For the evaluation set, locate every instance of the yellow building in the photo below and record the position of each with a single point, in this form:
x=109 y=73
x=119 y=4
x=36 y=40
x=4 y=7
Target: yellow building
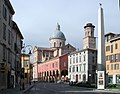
x=25 y=63
x=112 y=44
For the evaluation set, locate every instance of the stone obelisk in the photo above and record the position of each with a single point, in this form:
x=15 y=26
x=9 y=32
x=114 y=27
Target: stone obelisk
x=101 y=65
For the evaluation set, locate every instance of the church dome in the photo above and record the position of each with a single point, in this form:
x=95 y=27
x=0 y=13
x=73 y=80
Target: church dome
x=57 y=34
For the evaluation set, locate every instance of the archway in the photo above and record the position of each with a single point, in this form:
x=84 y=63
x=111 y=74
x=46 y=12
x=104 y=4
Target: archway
x=64 y=72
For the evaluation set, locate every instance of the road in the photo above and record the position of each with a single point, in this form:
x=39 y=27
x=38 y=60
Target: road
x=52 y=88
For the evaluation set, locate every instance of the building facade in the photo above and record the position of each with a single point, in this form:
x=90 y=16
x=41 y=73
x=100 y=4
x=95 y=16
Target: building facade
x=10 y=46
x=112 y=45
x=53 y=69
x=51 y=63
x=25 y=65
x=82 y=63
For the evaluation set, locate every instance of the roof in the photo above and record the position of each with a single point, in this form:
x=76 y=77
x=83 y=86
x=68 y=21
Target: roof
x=57 y=34
x=89 y=25
x=17 y=29
x=44 y=48
x=115 y=38
x=82 y=50
x=7 y=2
x=109 y=33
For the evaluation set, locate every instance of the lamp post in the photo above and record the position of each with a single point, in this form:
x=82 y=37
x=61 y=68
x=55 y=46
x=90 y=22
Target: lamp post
x=26 y=52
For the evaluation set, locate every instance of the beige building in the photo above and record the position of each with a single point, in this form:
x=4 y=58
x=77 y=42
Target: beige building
x=25 y=64
x=112 y=44
x=10 y=46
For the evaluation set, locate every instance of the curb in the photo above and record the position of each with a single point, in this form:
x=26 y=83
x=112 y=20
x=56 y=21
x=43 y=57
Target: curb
x=27 y=89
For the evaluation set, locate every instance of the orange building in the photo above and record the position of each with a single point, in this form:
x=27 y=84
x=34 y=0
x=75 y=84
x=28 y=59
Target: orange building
x=112 y=44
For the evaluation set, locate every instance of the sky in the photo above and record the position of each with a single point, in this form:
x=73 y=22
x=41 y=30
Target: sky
x=37 y=19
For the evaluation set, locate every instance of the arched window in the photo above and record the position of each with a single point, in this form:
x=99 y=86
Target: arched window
x=60 y=44
x=54 y=44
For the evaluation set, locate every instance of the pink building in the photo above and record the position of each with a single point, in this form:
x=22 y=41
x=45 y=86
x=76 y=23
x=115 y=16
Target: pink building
x=53 y=69
x=51 y=64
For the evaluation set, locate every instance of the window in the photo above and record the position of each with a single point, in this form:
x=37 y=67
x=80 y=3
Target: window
x=70 y=60
x=70 y=76
x=9 y=37
x=84 y=67
x=116 y=46
x=80 y=67
x=52 y=65
x=79 y=58
x=12 y=38
x=64 y=64
x=4 y=12
x=112 y=58
x=107 y=67
x=84 y=77
x=76 y=59
x=4 y=53
x=73 y=69
x=73 y=59
x=93 y=60
x=56 y=64
x=107 y=48
x=70 y=69
x=60 y=44
x=79 y=76
x=54 y=44
x=84 y=57
x=9 y=20
x=116 y=57
x=68 y=46
x=107 y=58
x=111 y=66
x=4 y=31
x=9 y=56
x=77 y=68
x=111 y=48
x=73 y=76
x=116 y=66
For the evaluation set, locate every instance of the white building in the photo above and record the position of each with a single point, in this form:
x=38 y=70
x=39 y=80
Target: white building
x=82 y=63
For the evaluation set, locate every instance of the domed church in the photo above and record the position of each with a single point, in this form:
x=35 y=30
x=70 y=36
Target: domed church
x=57 y=39
x=51 y=64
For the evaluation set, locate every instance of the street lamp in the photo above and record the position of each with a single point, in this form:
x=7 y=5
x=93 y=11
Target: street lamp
x=26 y=52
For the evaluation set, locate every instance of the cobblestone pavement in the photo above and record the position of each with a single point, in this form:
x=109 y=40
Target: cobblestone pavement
x=16 y=90
x=52 y=88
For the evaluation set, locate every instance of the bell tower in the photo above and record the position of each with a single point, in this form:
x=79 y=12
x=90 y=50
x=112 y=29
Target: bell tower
x=89 y=41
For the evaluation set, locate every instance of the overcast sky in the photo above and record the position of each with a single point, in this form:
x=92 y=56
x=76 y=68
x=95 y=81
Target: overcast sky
x=37 y=19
